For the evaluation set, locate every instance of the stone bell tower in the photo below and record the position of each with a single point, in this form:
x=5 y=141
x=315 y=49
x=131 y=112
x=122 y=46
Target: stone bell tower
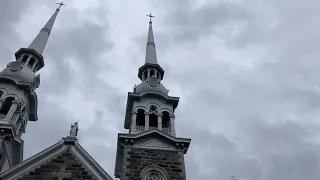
x=18 y=100
x=151 y=150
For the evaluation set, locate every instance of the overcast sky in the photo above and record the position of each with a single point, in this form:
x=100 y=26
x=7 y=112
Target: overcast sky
x=247 y=73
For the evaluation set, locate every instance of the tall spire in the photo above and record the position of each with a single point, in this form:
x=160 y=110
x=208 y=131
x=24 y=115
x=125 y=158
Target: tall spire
x=39 y=43
x=151 y=63
x=151 y=55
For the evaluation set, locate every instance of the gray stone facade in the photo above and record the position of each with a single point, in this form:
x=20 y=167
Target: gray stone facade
x=136 y=159
x=65 y=162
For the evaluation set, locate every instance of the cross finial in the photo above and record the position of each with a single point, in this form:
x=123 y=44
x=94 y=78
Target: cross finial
x=60 y=4
x=150 y=16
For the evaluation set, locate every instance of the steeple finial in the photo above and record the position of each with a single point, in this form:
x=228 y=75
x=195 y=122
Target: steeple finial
x=149 y=15
x=60 y=4
x=151 y=56
x=39 y=43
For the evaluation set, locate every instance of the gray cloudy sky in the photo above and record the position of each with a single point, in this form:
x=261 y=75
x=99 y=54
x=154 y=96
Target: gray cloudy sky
x=247 y=73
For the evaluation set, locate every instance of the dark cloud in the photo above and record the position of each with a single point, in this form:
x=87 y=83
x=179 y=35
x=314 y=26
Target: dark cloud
x=84 y=42
x=10 y=14
x=268 y=107
x=246 y=72
x=74 y=58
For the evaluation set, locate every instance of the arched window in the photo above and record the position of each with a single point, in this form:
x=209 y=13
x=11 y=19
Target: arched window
x=6 y=105
x=31 y=62
x=24 y=58
x=140 y=118
x=165 y=119
x=153 y=121
x=153 y=118
x=1 y=93
x=154 y=172
x=36 y=68
x=151 y=73
x=154 y=175
x=145 y=74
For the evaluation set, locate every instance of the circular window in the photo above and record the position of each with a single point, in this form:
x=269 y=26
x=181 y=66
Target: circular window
x=154 y=176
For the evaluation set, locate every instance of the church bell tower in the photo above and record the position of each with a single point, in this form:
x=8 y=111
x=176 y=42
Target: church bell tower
x=150 y=150
x=18 y=100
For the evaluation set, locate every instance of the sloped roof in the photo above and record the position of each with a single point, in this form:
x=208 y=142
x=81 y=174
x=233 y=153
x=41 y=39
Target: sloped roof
x=67 y=153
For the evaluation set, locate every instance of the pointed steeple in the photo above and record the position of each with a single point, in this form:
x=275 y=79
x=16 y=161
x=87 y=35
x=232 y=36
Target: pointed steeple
x=39 y=43
x=151 y=63
x=151 y=55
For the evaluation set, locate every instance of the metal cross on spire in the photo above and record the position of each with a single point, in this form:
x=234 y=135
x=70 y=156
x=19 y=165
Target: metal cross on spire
x=60 y=4
x=150 y=16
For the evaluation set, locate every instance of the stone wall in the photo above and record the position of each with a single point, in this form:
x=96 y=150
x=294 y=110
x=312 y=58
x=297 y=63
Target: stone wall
x=135 y=160
x=66 y=161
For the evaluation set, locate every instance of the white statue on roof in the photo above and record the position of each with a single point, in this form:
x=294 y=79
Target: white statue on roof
x=74 y=129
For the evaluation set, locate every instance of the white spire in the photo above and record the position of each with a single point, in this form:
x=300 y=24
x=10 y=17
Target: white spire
x=151 y=55
x=39 y=43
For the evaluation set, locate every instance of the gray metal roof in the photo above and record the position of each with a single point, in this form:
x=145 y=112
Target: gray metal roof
x=39 y=43
x=151 y=55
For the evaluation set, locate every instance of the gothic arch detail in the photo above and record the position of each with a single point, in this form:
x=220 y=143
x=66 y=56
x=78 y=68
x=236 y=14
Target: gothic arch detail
x=154 y=172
